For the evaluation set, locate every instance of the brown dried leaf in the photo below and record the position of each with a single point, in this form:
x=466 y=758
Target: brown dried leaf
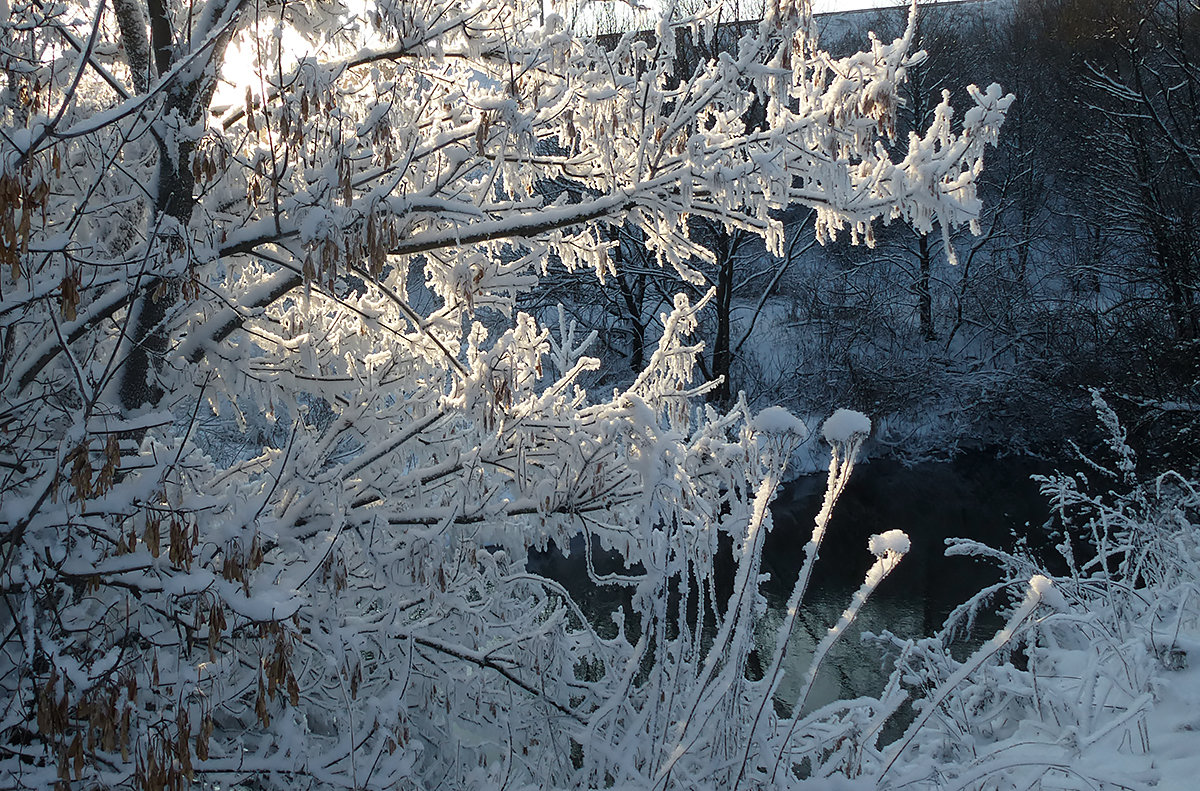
x=68 y=297
x=152 y=535
x=81 y=471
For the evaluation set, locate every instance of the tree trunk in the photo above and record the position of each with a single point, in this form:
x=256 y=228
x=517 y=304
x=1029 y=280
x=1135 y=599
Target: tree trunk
x=924 y=295
x=186 y=103
x=633 y=288
x=722 y=357
x=633 y=294
x=131 y=21
x=160 y=36
x=1173 y=249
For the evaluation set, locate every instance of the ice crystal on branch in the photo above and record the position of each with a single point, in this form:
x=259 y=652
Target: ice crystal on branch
x=278 y=439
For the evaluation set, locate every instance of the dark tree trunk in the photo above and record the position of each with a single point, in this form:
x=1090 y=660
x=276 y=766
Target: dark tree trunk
x=1023 y=245
x=924 y=295
x=633 y=294
x=633 y=289
x=172 y=212
x=160 y=36
x=722 y=357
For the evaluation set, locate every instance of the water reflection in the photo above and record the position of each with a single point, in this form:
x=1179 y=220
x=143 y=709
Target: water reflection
x=975 y=496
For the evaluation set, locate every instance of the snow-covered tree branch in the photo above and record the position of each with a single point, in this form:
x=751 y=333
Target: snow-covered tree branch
x=277 y=442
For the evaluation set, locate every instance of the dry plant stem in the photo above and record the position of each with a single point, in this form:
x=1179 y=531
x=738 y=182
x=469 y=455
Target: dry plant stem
x=878 y=571
x=734 y=630
x=1032 y=597
x=841 y=464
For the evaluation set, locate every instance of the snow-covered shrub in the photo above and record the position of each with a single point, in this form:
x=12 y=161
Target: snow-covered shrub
x=325 y=244
x=1082 y=695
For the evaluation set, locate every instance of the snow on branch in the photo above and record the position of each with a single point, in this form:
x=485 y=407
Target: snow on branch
x=286 y=429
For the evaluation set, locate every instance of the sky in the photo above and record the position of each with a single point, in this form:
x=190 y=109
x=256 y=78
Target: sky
x=821 y=6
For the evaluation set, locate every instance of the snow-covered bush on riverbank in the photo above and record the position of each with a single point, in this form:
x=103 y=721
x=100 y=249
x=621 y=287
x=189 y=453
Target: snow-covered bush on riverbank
x=1101 y=688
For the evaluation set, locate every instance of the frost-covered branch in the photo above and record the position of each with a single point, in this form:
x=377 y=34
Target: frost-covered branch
x=282 y=432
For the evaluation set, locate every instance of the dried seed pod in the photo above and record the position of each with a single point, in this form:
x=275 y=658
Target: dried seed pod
x=250 y=122
x=152 y=535
x=81 y=471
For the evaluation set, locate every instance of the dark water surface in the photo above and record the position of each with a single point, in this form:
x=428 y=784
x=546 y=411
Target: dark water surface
x=976 y=496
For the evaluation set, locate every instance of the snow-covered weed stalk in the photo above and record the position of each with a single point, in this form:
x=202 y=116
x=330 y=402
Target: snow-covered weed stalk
x=277 y=441
x=1068 y=709
x=845 y=432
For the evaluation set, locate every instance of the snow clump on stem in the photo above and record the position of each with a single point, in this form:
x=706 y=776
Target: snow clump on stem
x=845 y=424
x=896 y=541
